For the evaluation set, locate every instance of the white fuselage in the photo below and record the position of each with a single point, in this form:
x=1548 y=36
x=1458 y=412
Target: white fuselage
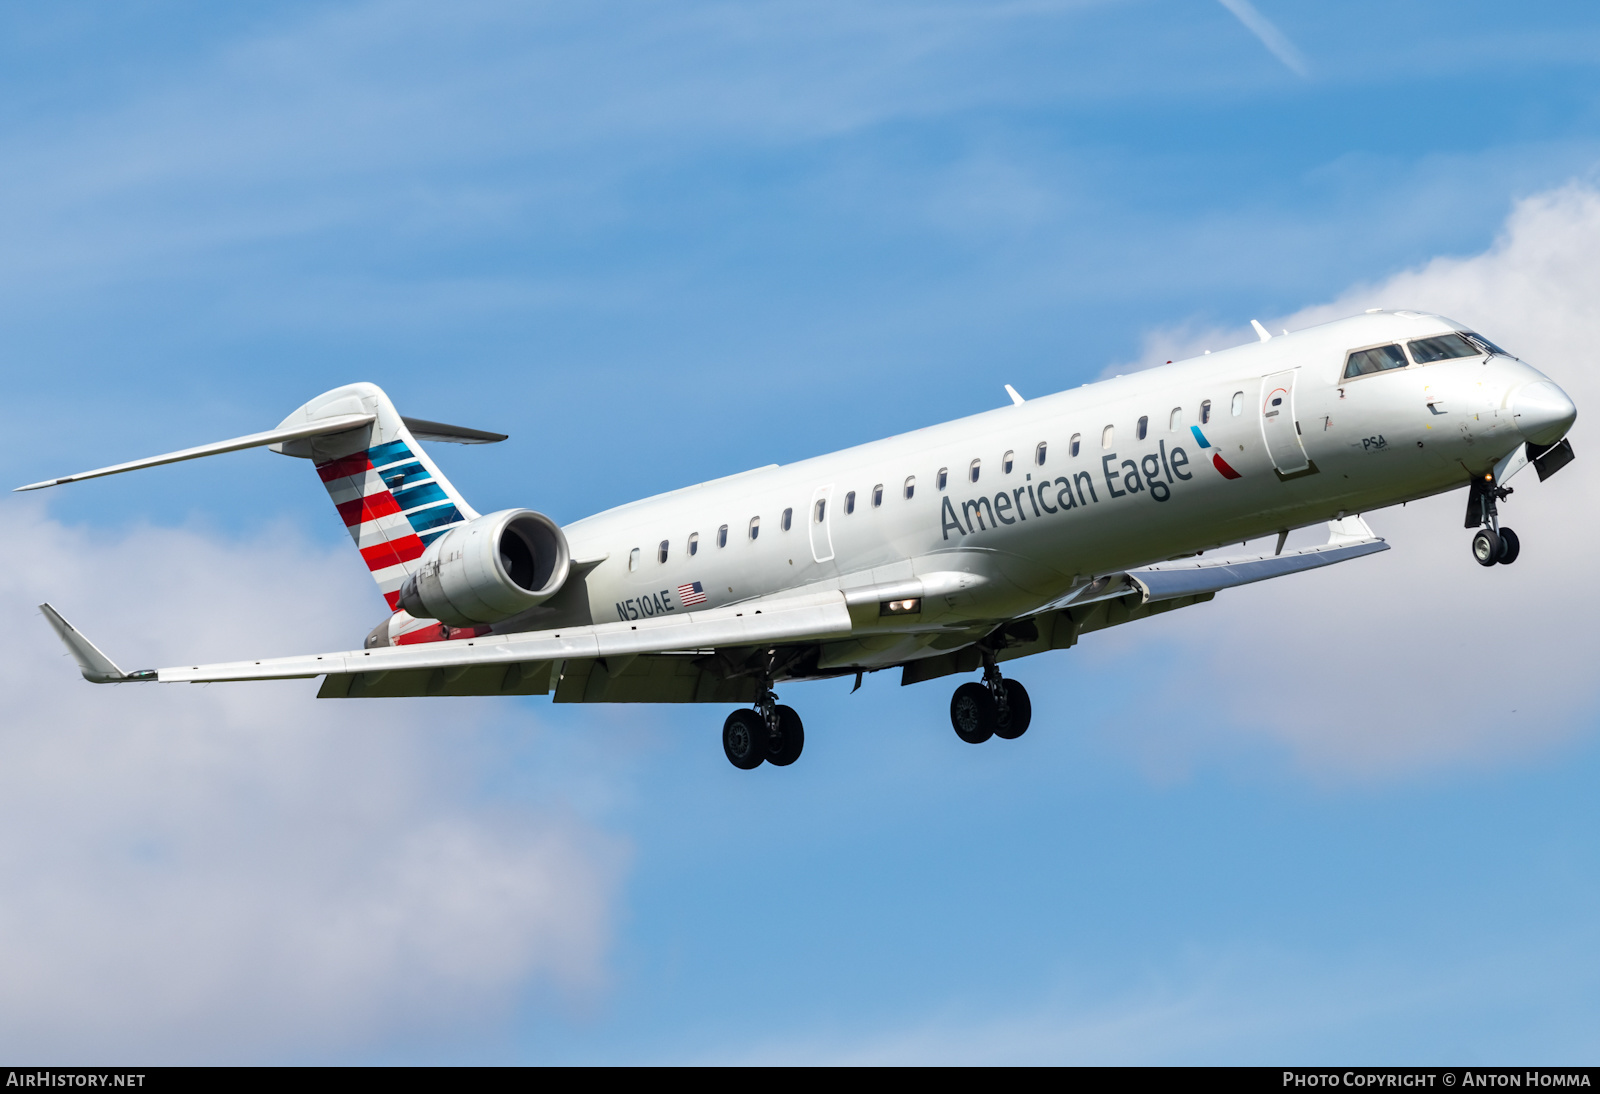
x=1054 y=518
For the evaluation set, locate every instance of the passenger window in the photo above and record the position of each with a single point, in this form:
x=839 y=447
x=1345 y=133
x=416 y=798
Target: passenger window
x=633 y=560
x=788 y=519
x=722 y=536
x=850 y=503
x=911 y=486
x=944 y=477
x=755 y=527
x=1447 y=347
x=1038 y=455
x=822 y=509
x=1205 y=412
x=972 y=472
x=1365 y=362
x=1075 y=445
x=1105 y=438
x=661 y=552
x=1144 y=428
x=1177 y=420
x=877 y=495
x=694 y=544
x=1238 y=403
x=1007 y=462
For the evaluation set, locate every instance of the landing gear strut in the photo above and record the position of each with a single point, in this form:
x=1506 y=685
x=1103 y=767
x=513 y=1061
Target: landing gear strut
x=1492 y=544
x=995 y=708
x=770 y=733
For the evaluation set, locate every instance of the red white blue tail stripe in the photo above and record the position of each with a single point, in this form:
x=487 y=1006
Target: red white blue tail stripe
x=395 y=503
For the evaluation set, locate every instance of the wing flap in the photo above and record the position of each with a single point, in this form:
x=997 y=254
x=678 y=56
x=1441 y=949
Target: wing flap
x=814 y=617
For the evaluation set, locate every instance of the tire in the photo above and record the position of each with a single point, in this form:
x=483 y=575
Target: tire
x=744 y=739
x=791 y=739
x=1487 y=547
x=1019 y=712
x=1510 y=546
x=972 y=713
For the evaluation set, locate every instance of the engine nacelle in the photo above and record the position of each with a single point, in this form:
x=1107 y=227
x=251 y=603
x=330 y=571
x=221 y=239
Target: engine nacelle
x=488 y=569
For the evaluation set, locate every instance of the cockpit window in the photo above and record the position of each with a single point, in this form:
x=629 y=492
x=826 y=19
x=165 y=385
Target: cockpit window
x=1484 y=344
x=1364 y=362
x=1446 y=347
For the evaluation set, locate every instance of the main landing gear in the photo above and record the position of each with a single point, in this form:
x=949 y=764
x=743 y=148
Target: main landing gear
x=768 y=734
x=995 y=708
x=1492 y=544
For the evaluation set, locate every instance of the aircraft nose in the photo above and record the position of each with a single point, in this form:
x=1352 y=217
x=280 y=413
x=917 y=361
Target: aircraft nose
x=1543 y=412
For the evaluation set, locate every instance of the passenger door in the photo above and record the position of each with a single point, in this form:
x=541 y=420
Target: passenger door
x=1279 y=429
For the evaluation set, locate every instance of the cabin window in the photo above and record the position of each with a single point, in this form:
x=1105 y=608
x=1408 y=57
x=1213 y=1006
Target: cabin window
x=1105 y=437
x=821 y=511
x=633 y=560
x=1238 y=403
x=877 y=495
x=911 y=486
x=1075 y=445
x=1365 y=362
x=788 y=518
x=1447 y=347
x=1205 y=412
x=694 y=544
x=722 y=536
x=1144 y=427
x=1007 y=462
x=755 y=527
x=1038 y=455
x=1176 y=422
x=850 y=503
x=661 y=552
x=944 y=477
x=972 y=471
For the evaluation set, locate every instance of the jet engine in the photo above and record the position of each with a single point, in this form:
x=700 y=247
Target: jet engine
x=488 y=569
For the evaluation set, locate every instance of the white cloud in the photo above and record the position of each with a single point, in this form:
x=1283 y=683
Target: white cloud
x=1419 y=657
x=244 y=872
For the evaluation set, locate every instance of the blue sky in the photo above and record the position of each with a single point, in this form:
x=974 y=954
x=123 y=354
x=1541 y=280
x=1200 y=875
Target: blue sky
x=659 y=244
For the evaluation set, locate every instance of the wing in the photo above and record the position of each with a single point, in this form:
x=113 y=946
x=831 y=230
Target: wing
x=782 y=619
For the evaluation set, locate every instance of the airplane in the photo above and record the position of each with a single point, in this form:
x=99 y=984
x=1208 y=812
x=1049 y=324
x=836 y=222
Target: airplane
x=940 y=552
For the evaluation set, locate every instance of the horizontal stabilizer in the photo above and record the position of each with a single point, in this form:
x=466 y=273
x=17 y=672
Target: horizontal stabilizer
x=341 y=423
x=96 y=667
x=424 y=430
x=811 y=617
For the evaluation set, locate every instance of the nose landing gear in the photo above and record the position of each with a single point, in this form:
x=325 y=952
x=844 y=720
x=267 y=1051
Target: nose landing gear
x=1492 y=544
x=995 y=708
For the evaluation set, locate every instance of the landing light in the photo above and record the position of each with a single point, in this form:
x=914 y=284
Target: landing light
x=900 y=607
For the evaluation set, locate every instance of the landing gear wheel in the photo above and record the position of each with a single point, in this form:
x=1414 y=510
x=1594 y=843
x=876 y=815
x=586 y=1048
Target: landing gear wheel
x=1510 y=546
x=744 y=739
x=785 y=749
x=1019 y=712
x=973 y=713
x=1487 y=547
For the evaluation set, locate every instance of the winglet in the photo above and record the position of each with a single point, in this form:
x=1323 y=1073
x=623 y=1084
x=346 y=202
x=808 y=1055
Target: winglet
x=1016 y=400
x=1261 y=332
x=96 y=667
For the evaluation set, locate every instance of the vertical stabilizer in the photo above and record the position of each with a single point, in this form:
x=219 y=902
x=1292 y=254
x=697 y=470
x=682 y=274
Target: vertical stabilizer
x=389 y=494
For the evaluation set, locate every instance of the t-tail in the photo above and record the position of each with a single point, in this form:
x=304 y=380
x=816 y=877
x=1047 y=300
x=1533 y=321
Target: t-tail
x=389 y=493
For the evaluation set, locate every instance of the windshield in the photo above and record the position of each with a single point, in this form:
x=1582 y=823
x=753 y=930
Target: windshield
x=1446 y=347
x=1364 y=362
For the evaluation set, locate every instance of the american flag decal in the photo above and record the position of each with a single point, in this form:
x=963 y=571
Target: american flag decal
x=692 y=594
